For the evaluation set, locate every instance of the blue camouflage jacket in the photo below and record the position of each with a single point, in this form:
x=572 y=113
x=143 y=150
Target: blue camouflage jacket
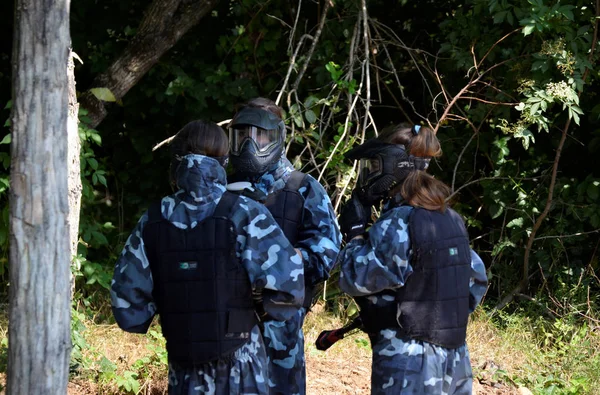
x=265 y=253
x=319 y=236
x=382 y=261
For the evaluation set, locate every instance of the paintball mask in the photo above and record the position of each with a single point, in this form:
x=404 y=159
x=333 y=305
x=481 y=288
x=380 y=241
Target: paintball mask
x=256 y=139
x=382 y=166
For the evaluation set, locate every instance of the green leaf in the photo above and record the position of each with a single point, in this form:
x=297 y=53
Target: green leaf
x=499 y=17
x=8 y=105
x=577 y=110
x=101 y=239
x=103 y=94
x=574 y=115
x=528 y=29
x=501 y=246
x=93 y=163
x=509 y=17
x=593 y=191
x=6 y=140
x=517 y=222
x=495 y=210
x=102 y=179
x=298 y=120
x=310 y=101
x=310 y=116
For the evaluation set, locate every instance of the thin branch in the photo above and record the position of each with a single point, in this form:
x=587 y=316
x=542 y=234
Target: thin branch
x=495 y=103
x=338 y=200
x=367 y=62
x=565 y=236
x=400 y=87
x=293 y=32
x=314 y=44
x=410 y=53
x=344 y=132
x=475 y=133
x=498 y=90
x=353 y=44
x=496 y=43
x=168 y=140
x=291 y=66
x=484 y=179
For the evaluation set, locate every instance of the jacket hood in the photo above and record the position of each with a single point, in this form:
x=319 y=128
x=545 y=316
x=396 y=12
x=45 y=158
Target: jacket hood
x=201 y=181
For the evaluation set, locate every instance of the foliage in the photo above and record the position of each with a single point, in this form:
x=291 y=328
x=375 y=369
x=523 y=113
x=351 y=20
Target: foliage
x=556 y=356
x=499 y=79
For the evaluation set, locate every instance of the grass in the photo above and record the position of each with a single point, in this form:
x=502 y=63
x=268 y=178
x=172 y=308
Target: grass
x=516 y=350
x=559 y=357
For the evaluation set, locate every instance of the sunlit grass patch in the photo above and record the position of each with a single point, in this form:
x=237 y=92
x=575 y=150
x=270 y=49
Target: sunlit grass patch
x=560 y=356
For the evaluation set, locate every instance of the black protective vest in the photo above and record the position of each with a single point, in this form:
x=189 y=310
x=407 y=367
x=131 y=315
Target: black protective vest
x=287 y=206
x=202 y=292
x=434 y=302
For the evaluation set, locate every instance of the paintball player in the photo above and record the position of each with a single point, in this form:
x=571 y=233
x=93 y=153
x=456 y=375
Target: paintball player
x=200 y=258
x=413 y=273
x=303 y=210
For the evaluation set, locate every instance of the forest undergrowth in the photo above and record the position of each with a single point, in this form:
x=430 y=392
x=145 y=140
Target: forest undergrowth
x=511 y=353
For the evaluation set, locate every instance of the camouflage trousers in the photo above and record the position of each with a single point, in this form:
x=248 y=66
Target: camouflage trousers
x=244 y=372
x=285 y=353
x=406 y=366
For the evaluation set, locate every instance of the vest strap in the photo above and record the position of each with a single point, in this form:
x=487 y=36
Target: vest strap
x=225 y=206
x=155 y=212
x=295 y=181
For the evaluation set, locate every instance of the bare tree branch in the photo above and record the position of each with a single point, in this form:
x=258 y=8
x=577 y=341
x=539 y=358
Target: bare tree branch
x=314 y=45
x=164 y=23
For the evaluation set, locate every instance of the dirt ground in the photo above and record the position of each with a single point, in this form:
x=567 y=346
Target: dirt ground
x=352 y=377
x=324 y=377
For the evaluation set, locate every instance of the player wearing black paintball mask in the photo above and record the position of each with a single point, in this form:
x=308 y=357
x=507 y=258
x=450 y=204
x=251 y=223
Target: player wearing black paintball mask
x=256 y=139
x=303 y=211
x=382 y=166
x=413 y=274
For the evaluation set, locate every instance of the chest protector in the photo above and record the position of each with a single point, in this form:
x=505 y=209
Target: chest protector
x=434 y=303
x=287 y=207
x=202 y=292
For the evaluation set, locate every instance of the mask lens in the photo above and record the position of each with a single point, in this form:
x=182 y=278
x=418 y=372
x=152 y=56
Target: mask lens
x=266 y=138
x=238 y=135
x=370 y=168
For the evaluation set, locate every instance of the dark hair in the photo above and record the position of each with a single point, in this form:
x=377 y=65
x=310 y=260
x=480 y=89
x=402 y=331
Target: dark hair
x=419 y=189
x=197 y=137
x=265 y=104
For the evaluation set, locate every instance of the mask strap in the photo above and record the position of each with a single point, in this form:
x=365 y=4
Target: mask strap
x=420 y=163
x=223 y=160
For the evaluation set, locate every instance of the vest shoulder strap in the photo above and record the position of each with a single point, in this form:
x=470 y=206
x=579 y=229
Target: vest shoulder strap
x=295 y=181
x=155 y=212
x=226 y=204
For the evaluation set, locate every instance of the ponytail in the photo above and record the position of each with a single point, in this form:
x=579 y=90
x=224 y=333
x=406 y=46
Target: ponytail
x=425 y=144
x=420 y=189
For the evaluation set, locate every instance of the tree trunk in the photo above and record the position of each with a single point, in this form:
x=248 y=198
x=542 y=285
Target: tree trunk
x=164 y=23
x=74 y=180
x=39 y=311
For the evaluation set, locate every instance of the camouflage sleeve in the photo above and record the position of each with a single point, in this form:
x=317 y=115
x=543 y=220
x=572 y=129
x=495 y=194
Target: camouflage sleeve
x=272 y=264
x=478 y=282
x=319 y=236
x=380 y=261
x=131 y=287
